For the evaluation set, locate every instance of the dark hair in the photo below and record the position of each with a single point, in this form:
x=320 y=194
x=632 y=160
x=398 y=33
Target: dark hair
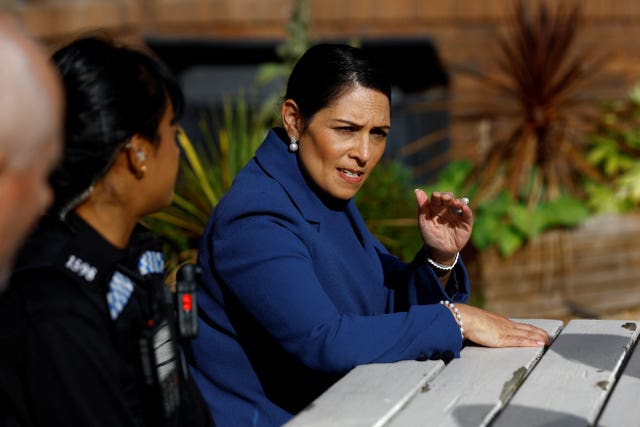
x=325 y=71
x=113 y=92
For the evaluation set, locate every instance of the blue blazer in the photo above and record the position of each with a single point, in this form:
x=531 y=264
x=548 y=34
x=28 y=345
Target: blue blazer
x=296 y=292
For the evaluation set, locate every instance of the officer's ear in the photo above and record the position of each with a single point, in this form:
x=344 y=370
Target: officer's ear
x=136 y=152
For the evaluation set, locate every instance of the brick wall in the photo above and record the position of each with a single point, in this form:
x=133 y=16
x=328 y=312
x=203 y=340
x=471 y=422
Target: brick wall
x=463 y=30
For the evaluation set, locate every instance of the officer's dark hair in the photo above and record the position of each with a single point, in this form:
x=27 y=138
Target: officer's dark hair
x=113 y=92
x=327 y=70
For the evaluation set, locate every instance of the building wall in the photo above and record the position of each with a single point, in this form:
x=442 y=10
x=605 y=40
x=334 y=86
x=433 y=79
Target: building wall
x=463 y=31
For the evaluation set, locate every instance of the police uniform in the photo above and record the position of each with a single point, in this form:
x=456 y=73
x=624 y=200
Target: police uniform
x=86 y=336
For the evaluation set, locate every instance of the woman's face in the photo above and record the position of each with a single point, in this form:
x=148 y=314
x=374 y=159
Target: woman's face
x=163 y=166
x=345 y=140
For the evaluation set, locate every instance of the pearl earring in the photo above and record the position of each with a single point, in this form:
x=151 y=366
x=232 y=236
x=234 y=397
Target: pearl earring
x=293 y=145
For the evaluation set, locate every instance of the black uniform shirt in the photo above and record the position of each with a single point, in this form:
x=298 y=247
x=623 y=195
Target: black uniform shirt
x=70 y=325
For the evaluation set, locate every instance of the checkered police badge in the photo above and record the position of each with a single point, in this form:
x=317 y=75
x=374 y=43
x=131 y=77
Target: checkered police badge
x=151 y=262
x=120 y=290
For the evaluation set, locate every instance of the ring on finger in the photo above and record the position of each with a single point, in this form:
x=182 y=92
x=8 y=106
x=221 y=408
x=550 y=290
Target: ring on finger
x=464 y=200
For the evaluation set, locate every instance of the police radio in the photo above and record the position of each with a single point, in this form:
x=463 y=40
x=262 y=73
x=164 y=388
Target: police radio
x=187 y=278
x=161 y=358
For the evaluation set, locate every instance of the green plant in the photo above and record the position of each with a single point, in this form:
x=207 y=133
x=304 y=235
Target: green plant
x=388 y=206
x=288 y=52
x=506 y=222
x=207 y=170
x=538 y=105
x=533 y=172
x=210 y=164
x=614 y=148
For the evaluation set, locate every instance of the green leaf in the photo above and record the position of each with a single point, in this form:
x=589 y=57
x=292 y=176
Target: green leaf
x=499 y=206
x=526 y=221
x=269 y=72
x=196 y=166
x=509 y=241
x=486 y=230
x=564 y=211
x=601 y=199
x=455 y=174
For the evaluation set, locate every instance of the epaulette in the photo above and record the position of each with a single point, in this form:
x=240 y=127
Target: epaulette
x=77 y=253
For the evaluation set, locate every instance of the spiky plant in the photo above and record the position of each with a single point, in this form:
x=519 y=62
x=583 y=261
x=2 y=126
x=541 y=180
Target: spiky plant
x=209 y=166
x=538 y=107
x=206 y=173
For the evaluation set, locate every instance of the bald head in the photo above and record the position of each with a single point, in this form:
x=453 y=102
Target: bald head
x=30 y=95
x=31 y=120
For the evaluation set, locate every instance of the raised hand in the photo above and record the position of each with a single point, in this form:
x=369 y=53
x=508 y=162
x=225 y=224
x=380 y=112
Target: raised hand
x=445 y=224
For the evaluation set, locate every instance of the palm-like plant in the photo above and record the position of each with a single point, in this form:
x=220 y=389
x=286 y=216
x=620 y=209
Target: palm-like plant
x=538 y=107
x=206 y=173
x=208 y=167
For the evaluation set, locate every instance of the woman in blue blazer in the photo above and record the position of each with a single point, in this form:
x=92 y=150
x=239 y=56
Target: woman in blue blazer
x=296 y=290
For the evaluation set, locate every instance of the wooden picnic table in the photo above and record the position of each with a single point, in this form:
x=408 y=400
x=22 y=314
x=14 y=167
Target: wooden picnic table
x=590 y=375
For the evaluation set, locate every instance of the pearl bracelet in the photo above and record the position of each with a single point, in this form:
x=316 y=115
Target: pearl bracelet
x=442 y=266
x=456 y=315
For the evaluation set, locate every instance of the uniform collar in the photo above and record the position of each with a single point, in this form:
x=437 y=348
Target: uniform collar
x=278 y=162
x=54 y=241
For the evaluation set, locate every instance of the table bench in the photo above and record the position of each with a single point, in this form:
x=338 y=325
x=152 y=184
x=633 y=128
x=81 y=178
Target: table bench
x=590 y=375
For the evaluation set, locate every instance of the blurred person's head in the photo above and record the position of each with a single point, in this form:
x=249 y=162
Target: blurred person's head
x=31 y=109
x=121 y=123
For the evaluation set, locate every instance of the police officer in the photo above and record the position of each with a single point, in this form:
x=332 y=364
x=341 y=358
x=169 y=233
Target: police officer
x=86 y=326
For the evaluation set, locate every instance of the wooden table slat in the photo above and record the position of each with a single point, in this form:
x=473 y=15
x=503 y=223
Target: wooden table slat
x=571 y=382
x=368 y=395
x=471 y=389
x=624 y=395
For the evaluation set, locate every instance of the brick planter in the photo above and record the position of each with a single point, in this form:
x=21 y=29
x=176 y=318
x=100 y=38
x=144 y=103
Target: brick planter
x=588 y=271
